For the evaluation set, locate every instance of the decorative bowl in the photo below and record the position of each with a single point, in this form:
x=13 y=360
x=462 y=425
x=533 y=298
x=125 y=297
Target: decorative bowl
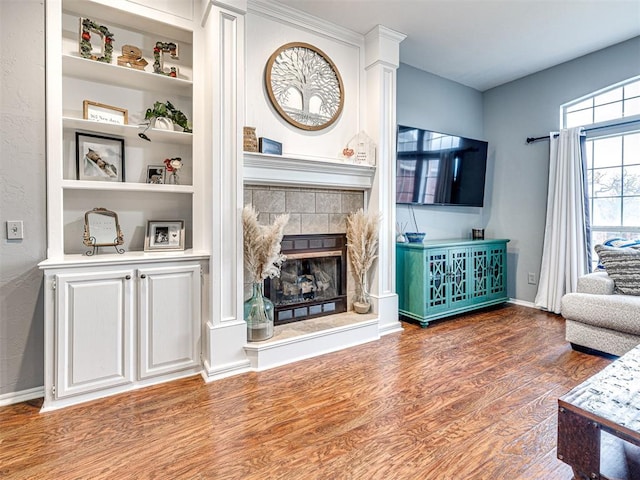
x=415 y=237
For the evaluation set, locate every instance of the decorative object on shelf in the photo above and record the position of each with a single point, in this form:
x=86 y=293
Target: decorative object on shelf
x=163 y=123
x=164 y=235
x=262 y=259
x=400 y=236
x=362 y=243
x=132 y=57
x=271 y=147
x=477 y=233
x=87 y=27
x=99 y=158
x=155 y=174
x=168 y=111
x=414 y=237
x=99 y=112
x=249 y=139
x=173 y=167
x=304 y=86
x=102 y=229
x=361 y=149
x=158 y=58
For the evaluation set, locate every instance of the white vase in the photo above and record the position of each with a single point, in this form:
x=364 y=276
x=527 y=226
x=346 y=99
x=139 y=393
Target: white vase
x=162 y=123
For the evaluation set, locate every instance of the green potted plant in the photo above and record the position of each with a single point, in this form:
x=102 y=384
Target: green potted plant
x=167 y=110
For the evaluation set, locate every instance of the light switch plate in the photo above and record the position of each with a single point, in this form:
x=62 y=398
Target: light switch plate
x=14 y=230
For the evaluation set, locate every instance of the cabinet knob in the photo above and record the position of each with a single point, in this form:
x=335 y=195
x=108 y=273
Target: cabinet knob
x=128 y=277
x=143 y=276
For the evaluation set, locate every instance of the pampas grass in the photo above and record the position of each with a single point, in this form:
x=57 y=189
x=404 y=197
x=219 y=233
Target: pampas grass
x=362 y=241
x=262 y=257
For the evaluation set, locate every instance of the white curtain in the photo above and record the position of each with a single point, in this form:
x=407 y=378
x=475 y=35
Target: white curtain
x=565 y=254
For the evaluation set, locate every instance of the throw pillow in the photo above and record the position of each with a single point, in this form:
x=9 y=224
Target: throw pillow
x=620 y=243
x=623 y=266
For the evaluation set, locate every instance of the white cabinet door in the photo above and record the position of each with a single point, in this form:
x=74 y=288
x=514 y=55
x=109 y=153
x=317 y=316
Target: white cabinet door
x=93 y=331
x=169 y=303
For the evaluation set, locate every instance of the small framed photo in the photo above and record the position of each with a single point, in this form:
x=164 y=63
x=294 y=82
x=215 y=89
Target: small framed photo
x=155 y=174
x=99 y=112
x=99 y=158
x=164 y=235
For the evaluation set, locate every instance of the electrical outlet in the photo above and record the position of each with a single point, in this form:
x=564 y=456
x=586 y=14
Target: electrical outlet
x=532 y=278
x=14 y=230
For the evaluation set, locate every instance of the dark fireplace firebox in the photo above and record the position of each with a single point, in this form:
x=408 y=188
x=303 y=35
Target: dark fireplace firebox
x=313 y=279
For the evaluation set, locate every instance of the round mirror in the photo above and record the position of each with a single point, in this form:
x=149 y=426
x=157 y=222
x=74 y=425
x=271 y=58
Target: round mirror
x=304 y=86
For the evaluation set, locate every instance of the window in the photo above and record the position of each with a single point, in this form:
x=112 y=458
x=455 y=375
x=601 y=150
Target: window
x=611 y=118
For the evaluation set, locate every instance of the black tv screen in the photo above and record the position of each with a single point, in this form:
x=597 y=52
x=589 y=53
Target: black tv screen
x=434 y=168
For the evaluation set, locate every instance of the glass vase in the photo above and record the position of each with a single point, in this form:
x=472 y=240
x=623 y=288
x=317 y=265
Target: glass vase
x=258 y=313
x=173 y=178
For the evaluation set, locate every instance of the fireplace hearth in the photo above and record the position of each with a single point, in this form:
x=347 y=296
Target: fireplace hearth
x=313 y=279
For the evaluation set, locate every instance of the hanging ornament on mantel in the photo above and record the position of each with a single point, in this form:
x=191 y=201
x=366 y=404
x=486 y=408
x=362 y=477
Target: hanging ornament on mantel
x=360 y=150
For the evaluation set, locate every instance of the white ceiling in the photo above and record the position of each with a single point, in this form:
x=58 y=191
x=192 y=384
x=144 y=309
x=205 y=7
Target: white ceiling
x=486 y=43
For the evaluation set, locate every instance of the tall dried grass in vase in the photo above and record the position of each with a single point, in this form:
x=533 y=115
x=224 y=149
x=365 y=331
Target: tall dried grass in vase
x=262 y=259
x=362 y=242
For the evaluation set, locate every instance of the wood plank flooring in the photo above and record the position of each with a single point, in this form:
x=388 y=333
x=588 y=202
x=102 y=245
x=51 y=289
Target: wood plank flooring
x=472 y=397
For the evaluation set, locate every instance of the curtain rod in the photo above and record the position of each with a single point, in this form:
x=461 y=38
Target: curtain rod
x=555 y=135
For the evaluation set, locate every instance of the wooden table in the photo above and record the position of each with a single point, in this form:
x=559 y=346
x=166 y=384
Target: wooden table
x=608 y=401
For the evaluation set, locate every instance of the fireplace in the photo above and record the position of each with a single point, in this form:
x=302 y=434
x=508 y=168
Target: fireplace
x=313 y=279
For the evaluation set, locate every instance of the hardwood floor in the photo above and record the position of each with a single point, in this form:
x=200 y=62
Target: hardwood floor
x=473 y=397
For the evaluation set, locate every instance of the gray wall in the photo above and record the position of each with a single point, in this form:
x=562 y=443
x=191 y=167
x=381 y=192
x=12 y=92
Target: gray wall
x=22 y=193
x=505 y=116
x=427 y=101
x=515 y=205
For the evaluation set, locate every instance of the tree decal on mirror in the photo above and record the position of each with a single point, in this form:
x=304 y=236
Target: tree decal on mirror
x=304 y=86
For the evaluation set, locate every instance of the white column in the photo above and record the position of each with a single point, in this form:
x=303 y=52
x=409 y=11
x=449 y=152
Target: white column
x=224 y=334
x=382 y=58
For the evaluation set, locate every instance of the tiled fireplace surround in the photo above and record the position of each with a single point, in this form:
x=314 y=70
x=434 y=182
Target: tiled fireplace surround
x=311 y=210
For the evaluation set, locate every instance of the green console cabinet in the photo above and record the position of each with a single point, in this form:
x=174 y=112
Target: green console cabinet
x=439 y=278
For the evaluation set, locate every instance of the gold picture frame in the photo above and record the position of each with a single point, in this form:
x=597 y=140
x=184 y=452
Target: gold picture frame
x=100 y=112
x=102 y=229
x=304 y=86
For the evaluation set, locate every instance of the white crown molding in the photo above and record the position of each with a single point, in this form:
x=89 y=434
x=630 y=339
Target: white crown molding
x=304 y=20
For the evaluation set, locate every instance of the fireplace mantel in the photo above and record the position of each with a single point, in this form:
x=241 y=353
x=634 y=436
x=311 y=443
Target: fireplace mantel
x=298 y=171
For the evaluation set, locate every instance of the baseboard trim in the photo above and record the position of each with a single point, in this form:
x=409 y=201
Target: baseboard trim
x=22 y=396
x=523 y=303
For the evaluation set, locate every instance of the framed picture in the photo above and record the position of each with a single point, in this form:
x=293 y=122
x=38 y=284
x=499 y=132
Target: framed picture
x=155 y=174
x=99 y=112
x=164 y=235
x=99 y=158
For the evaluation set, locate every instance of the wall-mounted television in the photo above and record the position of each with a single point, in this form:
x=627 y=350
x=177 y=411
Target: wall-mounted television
x=435 y=168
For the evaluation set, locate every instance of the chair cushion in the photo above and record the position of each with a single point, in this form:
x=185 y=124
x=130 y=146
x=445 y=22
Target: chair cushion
x=614 y=312
x=623 y=266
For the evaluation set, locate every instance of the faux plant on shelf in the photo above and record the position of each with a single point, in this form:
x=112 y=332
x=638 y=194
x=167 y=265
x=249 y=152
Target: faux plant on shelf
x=362 y=242
x=262 y=259
x=167 y=110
